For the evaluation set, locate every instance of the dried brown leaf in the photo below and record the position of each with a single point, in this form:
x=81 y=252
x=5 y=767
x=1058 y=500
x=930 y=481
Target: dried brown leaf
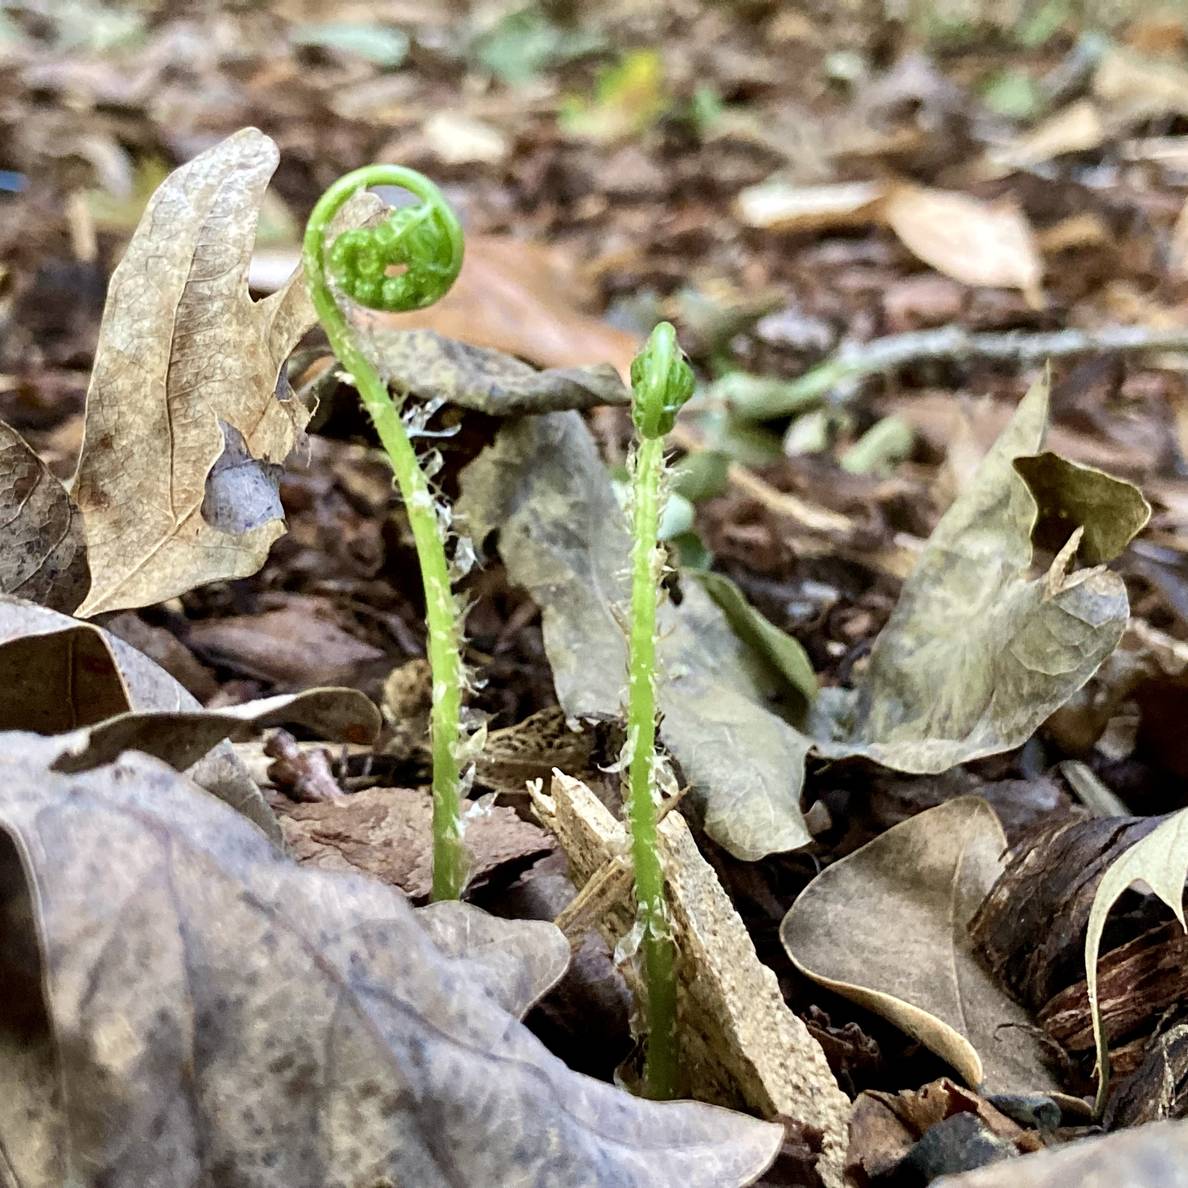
x=975 y=242
x=1160 y=861
x=388 y=833
x=517 y=297
x=182 y=738
x=211 y=1008
x=423 y=363
x=887 y=926
x=1112 y=512
x=740 y=1043
x=778 y=205
x=564 y=538
x=185 y=375
x=42 y=551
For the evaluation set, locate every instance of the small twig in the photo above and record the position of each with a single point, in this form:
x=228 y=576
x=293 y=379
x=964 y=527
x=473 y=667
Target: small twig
x=856 y=360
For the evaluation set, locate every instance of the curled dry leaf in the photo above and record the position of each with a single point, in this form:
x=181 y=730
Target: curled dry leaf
x=563 y=537
x=423 y=363
x=1111 y=512
x=977 y=654
x=58 y=675
x=1154 y=1156
x=975 y=242
x=887 y=927
x=1159 y=860
x=740 y=1043
x=202 y=1003
x=186 y=371
x=182 y=738
x=42 y=551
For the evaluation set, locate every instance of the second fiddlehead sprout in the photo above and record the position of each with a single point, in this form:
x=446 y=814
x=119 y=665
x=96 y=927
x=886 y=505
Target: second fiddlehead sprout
x=662 y=381
x=406 y=262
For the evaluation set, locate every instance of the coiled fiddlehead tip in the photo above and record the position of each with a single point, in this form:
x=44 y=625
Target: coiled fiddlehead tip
x=662 y=381
x=407 y=261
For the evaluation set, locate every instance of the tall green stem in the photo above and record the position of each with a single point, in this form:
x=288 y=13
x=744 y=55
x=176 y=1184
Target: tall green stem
x=663 y=382
x=427 y=242
x=660 y=1066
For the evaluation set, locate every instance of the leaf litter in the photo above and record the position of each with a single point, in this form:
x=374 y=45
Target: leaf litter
x=1029 y=161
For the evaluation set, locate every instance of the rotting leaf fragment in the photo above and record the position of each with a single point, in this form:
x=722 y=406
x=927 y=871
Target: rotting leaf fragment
x=42 y=551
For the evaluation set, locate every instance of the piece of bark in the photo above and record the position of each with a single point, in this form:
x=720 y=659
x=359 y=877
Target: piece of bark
x=1030 y=929
x=301 y=773
x=387 y=832
x=740 y=1044
x=1158 y=1087
x=886 y=1127
x=1136 y=984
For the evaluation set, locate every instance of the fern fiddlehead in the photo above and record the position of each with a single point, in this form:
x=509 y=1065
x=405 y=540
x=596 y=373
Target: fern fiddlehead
x=406 y=262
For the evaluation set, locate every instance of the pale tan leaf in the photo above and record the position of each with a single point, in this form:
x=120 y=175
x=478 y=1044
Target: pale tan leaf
x=563 y=537
x=977 y=653
x=1159 y=860
x=518 y=297
x=1153 y=1156
x=42 y=552
x=975 y=242
x=777 y=205
x=186 y=367
x=887 y=927
x=212 y=1005
x=740 y=1043
x=1076 y=128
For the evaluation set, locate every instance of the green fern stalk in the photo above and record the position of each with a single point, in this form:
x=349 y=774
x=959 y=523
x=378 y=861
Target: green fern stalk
x=426 y=242
x=662 y=382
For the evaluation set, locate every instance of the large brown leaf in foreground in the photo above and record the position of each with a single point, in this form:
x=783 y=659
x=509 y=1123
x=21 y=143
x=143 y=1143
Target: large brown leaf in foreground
x=216 y=1015
x=184 y=385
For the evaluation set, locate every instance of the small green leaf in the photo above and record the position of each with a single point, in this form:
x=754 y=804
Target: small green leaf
x=525 y=44
x=776 y=648
x=370 y=41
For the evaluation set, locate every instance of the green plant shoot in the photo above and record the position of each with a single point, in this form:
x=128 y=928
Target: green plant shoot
x=406 y=262
x=662 y=381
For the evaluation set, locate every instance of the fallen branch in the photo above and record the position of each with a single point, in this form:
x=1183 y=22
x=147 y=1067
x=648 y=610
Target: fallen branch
x=854 y=361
